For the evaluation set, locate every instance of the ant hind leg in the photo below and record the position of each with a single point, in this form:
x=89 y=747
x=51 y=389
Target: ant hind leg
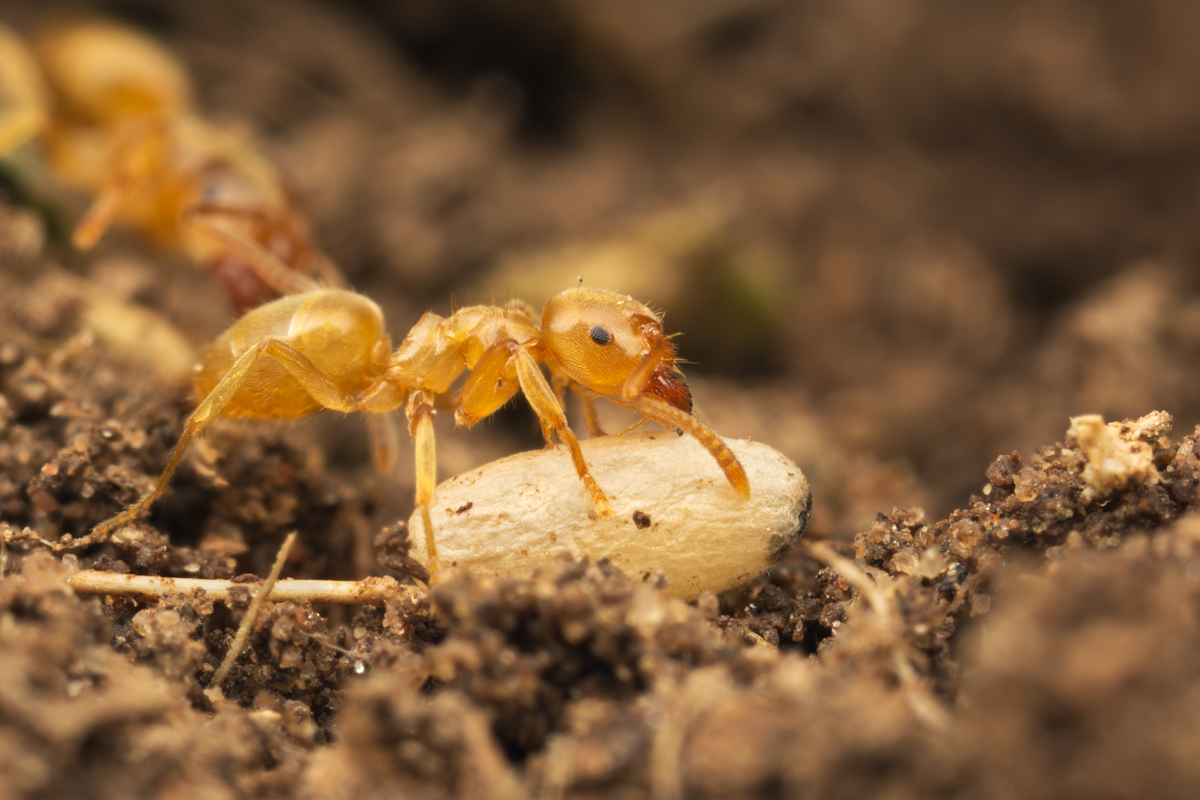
x=384 y=436
x=314 y=382
x=420 y=425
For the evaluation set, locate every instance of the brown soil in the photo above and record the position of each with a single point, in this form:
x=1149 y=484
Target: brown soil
x=901 y=238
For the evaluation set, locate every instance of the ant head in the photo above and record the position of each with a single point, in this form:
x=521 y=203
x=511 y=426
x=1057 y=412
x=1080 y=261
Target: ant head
x=235 y=176
x=600 y=339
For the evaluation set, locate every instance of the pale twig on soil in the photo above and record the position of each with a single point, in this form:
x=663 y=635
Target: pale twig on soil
x=243 y=632
x=926 y=706
x=365 y=592
x=560 y=757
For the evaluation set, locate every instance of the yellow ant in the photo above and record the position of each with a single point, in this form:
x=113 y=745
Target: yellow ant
x=113 y=112
x=327 y=349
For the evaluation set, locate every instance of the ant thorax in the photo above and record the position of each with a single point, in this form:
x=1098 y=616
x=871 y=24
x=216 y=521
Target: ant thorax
x=480 y=328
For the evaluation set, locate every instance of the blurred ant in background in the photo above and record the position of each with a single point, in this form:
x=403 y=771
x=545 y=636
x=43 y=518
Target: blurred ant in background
x=112 y=111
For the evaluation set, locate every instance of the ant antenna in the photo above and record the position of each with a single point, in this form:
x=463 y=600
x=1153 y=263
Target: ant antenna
x=580 y=280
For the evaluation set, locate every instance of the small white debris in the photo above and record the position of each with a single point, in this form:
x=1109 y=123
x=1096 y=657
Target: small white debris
x=673 y=510
x=1115 y=455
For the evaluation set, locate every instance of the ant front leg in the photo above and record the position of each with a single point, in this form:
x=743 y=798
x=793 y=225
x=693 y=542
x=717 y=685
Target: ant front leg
x=589 y=410
x=590 y=417
x=560 y=386
x=217 y=225
x=550 y=412
x=140 y=154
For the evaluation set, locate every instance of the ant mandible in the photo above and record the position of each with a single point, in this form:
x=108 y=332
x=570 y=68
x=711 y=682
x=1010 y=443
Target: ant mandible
x=114 y=113
x=327 y=349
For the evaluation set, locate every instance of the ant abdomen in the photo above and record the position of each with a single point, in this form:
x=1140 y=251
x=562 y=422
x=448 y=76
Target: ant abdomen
x=340 y=333
x=102 y=72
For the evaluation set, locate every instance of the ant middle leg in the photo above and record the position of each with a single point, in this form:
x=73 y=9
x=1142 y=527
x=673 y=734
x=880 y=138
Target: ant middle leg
x=491 y=384
x=420 y=425
x=141 y=152
x=384 y=436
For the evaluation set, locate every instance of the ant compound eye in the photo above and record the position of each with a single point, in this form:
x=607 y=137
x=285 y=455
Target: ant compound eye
x=600 y=335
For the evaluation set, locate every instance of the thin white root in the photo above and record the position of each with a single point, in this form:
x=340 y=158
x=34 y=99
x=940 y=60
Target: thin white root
x=366 y=592
x=243 y=632
x=888 y=620
x=843 y=566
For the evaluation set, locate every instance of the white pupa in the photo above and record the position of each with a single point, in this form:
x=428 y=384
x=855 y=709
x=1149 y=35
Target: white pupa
x=673 y=511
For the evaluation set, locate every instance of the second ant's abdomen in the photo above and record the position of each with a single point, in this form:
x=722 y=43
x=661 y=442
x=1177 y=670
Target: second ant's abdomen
x=336 y=330
x=104 y=71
